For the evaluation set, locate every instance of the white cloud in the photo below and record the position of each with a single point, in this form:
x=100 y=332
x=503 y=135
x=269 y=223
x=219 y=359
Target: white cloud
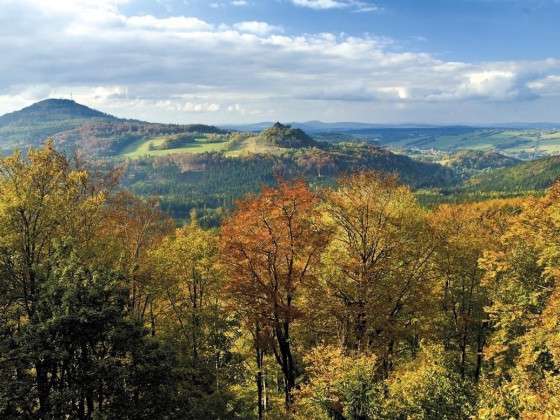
x=169 y=68
x=357 y=5
x=205 y=107
x=180 y=23
x=547 y=86
x=255 y=27
x=494 y=83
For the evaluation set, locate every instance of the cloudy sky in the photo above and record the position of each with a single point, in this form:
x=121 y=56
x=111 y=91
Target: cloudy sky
x=237 y=61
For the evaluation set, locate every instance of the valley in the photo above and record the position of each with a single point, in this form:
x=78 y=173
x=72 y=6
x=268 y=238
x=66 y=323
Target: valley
x=208 y=168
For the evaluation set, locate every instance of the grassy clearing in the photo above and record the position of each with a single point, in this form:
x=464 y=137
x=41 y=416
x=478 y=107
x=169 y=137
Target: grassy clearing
x=252 y=145
x=141 y=148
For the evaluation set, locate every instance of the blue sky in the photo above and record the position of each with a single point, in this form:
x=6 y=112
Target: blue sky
x=235 y=61
x=451 y=29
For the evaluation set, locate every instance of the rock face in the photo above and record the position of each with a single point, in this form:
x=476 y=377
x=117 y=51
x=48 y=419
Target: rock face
x=285 y=136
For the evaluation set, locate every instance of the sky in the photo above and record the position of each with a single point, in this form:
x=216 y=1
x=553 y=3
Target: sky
x=243 y=61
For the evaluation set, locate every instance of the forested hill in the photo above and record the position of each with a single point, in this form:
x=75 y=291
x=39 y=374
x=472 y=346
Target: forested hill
x=51 y=110
x=480 y=159
x=526 y=176
x=76 y=126
x=285 y=136
x=34 y=123
x=212 y=182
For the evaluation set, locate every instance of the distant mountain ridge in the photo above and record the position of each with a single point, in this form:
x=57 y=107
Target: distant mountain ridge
x=320 y=126
x=73 y=125
x=342 y=126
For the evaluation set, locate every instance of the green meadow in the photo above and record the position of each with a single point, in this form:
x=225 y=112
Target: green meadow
x=144 y=147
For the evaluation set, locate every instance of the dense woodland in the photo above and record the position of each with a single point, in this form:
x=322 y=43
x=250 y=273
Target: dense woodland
x=349 y=301
x=210 y=183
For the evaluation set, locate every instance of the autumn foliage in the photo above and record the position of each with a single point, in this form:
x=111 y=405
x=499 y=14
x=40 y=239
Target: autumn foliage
x=270 y=246
x=350 y=301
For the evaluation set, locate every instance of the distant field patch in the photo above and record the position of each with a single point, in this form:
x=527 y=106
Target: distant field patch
x=527 y=144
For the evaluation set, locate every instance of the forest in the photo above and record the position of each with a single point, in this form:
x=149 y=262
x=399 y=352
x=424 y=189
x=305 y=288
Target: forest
x=347 y=300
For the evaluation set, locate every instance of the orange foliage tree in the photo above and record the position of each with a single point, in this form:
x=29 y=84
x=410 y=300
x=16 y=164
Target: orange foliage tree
x=269 y=247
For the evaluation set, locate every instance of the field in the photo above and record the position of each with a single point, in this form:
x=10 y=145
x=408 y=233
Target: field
x=142 y=147
x=525 y=144
x=232 y=147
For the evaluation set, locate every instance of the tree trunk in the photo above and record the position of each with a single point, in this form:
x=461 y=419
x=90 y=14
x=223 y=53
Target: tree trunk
x=287 y=361
x=43 y=390
x=480 y=347
x=259 y=357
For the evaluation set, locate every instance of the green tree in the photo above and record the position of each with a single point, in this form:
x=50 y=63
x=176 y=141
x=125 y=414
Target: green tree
x=429 y=388
x=190 y=313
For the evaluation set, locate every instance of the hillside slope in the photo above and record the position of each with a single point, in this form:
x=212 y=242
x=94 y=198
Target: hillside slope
x=76 y=126
x=34 y=123
x=526 y=176
x=212 y=182
x=51 y=110
x=526 y=143
x=478 y=160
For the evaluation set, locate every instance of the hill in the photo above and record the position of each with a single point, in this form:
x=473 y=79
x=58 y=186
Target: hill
x=76 y=126
x=51 y=110
x=212 y=182
x=526 y=176
x=33 y=124
x=125 y=139
x=480 y=160
x=285 y=136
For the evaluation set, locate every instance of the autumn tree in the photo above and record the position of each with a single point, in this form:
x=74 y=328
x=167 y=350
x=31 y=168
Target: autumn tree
x=428 y=387
x=270 y=247
x=339 y=386
x=68 y=348
x=466 y=232
x=522 y=276
x=191 y=313
x=132 y=228
x=41 y=199
x=376 y=266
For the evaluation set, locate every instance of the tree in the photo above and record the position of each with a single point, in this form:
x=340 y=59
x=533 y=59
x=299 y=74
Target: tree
x=523 y=354
x=429 y=388
x=70 y=348
x=42 y=199
x=192 y=314
x=339 y=386
x=133 y=227
x=376 y=265
x=466 y=231
x=269 y=247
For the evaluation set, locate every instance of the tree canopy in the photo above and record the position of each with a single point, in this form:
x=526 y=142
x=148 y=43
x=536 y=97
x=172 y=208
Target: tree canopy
x=345 y=301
